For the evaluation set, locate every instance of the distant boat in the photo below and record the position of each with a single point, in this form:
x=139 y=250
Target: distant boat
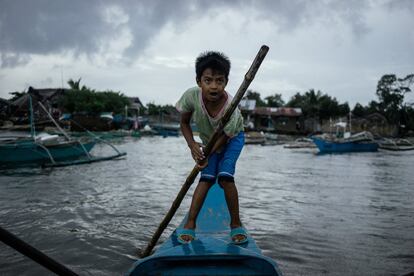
x=41 y=149
x=301 y=143
x=212 y=252
x=46 y=149
x=360 y=142
x=254 y=138
x=166 y=130
x=396 y=145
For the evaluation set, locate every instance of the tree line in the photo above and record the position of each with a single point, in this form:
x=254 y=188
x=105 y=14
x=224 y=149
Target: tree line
x=84 y=99
x=390 y=93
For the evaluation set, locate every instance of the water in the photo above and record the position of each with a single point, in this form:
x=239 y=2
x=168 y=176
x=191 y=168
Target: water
x=348 y=214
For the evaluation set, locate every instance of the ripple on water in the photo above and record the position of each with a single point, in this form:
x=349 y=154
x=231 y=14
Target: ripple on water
x=348 y=214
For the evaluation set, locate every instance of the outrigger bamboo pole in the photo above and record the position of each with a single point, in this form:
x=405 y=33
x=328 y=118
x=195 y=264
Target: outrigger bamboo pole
x=248 y=78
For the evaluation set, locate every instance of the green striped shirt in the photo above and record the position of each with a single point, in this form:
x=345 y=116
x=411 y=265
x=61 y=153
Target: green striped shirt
x=191 y=101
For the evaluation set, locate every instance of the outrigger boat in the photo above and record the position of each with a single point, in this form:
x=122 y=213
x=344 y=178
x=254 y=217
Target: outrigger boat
x=396 y=144
x=360 y=142
x=48 y=150
x=36 y=150
x=212 y=252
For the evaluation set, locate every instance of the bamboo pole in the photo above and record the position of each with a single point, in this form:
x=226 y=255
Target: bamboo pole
x=34 y=254
x=248 y=78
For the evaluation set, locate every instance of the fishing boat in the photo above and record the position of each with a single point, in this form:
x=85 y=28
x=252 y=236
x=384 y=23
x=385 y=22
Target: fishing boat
x=359 y=142
x=254 y=138
x=344 y=141
x=301 y=143
x=396 y=144
x=41 y=150
x=47 y=150
x=212 y=252
x=166 y=130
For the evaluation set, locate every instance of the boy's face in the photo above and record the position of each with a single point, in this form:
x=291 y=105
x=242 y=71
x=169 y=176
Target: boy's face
x=212 y=85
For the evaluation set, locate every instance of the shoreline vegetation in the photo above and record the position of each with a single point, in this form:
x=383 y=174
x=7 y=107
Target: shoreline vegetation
x=79 y=107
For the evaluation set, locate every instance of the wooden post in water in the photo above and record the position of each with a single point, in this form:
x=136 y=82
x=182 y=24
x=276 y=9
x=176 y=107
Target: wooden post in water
x=248 y=78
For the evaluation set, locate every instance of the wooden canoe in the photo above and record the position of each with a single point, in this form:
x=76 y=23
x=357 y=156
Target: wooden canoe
x=212 y=252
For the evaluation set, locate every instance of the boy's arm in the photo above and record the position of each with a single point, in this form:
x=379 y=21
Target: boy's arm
x=196 y=152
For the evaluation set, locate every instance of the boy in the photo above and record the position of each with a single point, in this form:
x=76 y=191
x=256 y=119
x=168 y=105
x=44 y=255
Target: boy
x=206 y=104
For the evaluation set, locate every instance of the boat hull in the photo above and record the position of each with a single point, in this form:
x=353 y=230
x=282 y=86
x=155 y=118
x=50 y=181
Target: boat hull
x=29 y=152
x=332 y=147
x=212 y=252
x=396 y=147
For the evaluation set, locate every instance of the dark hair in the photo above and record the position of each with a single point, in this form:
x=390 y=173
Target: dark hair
x=216 y=61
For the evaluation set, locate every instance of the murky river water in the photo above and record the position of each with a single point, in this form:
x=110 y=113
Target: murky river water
x=348 y=214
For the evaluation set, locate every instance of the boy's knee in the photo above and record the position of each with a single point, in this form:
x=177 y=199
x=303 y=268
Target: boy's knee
x=225 y=180
x=207 y=180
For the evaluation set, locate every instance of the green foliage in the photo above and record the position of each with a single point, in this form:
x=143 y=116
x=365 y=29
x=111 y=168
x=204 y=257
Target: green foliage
x=391 y=91
x=75 y=85
x=275 y=100
x=318 y=105
x=408 y=115
x=253 y=95
x=88 y=100
x=359 y=110
x=154 y=109
x=16 y=95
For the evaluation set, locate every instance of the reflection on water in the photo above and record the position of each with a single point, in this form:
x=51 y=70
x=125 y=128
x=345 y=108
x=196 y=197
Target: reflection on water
x=348 y=214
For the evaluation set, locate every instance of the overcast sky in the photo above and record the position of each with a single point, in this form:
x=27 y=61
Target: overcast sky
x=147 y=48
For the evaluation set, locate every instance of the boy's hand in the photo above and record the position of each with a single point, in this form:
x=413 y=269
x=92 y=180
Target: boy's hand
x=202 y=164
x=197 y=152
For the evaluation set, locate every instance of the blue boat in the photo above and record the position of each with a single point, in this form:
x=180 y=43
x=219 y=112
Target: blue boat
x=47 y=150
x=166 y=130
x=30 y=151
x=326 y=146
x=212 y=252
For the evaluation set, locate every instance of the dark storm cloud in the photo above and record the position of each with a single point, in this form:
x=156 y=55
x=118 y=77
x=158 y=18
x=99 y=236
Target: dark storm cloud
x=42 y=27
x=55 y=26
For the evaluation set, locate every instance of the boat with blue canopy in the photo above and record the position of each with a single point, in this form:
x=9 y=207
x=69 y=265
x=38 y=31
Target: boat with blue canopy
x=212 y=252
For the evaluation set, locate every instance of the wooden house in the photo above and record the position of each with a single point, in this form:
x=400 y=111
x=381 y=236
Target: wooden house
x=4 y=109
x=247 y=109
x=286 y=120
x=49 y=97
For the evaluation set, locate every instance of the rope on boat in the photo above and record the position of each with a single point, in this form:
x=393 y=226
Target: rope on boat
x=96 y=137
x=34 y=254
x=84 y=149
x=47 y=151
x=63 y=132
x=54 y=122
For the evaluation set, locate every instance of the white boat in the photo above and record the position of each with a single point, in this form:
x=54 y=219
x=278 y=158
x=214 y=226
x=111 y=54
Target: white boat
x=301 y=143
x=396 y=144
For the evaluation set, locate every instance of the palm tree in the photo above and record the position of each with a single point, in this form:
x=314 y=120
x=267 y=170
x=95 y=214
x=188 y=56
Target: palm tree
x=75 y=85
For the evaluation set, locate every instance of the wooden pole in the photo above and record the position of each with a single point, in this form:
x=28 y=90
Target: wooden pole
x=248 y=78
x=34 y=254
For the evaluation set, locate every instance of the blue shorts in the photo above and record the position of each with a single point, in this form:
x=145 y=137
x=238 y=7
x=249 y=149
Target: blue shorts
x=223 y=164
